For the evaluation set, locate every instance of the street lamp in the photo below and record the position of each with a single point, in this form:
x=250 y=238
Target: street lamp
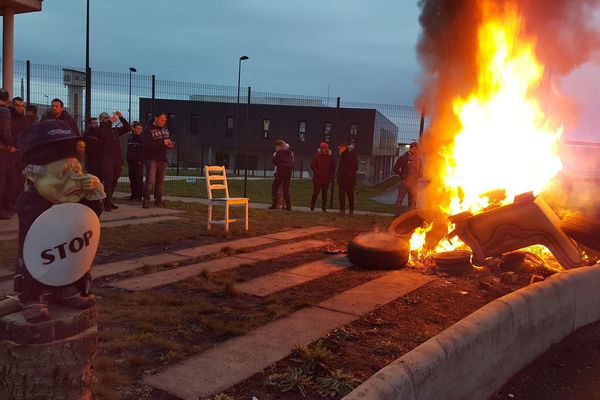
x=242 y=58
x=131 y=71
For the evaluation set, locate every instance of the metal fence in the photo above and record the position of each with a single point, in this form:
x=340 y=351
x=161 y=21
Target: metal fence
x=38 y=84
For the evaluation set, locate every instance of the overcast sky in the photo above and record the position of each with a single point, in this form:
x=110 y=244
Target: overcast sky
x=365 y=50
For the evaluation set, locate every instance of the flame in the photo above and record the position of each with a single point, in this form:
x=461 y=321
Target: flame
x=506 y=141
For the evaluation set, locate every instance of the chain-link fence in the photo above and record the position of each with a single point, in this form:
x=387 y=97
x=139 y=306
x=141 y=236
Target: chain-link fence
x=38 y=84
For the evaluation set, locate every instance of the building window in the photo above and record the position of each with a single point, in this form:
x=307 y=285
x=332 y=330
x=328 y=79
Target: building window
x=353 y=133
x=229 y=127
x=266 y=125
x=327 y=128
x=194 y=125
x=301 y=131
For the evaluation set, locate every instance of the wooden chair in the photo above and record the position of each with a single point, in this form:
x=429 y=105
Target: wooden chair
x=218 y=181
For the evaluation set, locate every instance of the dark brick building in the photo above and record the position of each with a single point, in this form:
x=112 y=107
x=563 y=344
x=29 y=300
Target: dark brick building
x=223 y=133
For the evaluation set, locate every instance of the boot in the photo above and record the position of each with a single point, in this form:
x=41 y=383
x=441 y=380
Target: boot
x=35 y=312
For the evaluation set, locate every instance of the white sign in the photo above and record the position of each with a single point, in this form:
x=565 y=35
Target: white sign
x=61 y=244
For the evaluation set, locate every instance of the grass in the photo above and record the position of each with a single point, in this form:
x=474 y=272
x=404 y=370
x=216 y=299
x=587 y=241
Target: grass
x=293 y=379
x=259 y=191
x=313 y=356
x=338 y=384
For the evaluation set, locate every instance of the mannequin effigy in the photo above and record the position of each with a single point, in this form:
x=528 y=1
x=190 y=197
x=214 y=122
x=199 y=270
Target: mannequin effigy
x=51 y=153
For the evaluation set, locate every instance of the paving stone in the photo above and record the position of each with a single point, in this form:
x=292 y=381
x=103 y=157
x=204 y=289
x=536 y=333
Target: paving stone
x=118 y=267
x=137 y=221
x=282 y=250
x=220 y=368
x=296 y=233
x=272 y=283
x=216 y=247
x=169 y=276
x=231 y=362
x=371 y=295
x=9 y=236
x=10 y=225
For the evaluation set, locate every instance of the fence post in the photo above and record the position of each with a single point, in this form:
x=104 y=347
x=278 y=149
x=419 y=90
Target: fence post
x=202 y=160
x=335 y=130
x=422 y=125
x=28 y=79
x=301 y=169
x=153 y=93
x=247 y=139
x=265 y=167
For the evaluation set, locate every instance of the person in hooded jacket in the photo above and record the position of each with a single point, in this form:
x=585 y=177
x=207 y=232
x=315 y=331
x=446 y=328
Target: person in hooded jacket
x=135 y=161
x=346 y=176
x=57 y=111
x=110 y=150
x=93 y=157
x=323 y=168
x=283 y=159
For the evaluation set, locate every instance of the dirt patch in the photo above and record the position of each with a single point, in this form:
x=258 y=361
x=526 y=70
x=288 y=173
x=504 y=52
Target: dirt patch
x=569 y=370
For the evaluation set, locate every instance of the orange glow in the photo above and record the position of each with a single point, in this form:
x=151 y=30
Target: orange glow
x=506 y=141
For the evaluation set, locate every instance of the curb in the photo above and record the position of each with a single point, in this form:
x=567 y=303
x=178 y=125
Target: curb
x=475 y=357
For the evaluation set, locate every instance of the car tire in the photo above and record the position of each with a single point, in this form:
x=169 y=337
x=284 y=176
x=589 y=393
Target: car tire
x=378 y=250
x=582 y=229
x=405 y=225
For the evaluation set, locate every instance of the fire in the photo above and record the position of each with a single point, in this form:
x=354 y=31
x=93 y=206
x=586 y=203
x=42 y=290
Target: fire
x=506 y=141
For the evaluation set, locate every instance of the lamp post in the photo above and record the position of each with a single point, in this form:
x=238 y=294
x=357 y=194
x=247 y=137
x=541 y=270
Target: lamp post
x=131 y=71
x=242 y=58
x=88 y=71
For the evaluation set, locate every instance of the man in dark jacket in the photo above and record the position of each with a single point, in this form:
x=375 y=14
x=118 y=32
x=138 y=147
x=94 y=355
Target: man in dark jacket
x=283 y=159
x=156 y=141
x=346 y=176
x=409 y=168
x=57 y=111
x=6 y=149
x=14 y=179
x=135 y=162
x=110 y=151
x=93 y=156
x=323 y=168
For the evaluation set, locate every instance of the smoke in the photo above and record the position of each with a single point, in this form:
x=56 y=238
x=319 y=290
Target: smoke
x=566 y=38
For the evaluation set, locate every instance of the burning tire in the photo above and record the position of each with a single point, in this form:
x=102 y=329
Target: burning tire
x=378 y=251
x=405 y=225
x=582 y=229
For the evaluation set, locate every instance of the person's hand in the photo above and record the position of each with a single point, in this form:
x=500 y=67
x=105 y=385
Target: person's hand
x=169 y=143
x=88 y=182
x=12 y=149
x=118 y=114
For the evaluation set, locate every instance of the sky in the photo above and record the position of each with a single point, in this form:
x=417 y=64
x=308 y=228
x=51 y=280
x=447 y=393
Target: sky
x=361 y=50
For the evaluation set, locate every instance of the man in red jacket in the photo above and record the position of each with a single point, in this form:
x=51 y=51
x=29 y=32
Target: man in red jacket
x=283 y=159
x=323 y=168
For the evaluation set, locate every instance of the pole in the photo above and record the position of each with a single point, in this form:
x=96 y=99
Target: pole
x=129 y=95
x=28 y=78
x=239 y=77
x=153 y=93
x=335 y=131
x=422 y=125
x=88 y=70
x=8 y=34
x=246 y=141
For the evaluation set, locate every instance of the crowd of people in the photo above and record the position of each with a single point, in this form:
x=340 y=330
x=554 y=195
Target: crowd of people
x=146 y=149
x=408 y=167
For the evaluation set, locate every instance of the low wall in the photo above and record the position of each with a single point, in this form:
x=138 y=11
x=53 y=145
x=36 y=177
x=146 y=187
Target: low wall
x=476 y=356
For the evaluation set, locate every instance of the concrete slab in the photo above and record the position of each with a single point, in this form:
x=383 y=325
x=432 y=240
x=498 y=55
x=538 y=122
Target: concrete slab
x=130 y=211
x=118 y=267
x=273 y=283
x=282 y=250
x=10 y=225
x=137 y=221
x=231 y=362
x=201 y=251
x=220 y=368
x=8 y=236
x=297 y=233
x=169 y=276
x=166 y=277
x=372 y=295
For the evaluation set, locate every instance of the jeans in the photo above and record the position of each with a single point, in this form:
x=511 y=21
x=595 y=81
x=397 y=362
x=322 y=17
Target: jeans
x=346 y=189
x=285 y=181
x=155 y=178
x=406 y=188
x=319 y=187
x=136 y=178
x=111 y=170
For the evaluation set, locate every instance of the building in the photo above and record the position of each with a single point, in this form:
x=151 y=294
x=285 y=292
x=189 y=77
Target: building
x=240 y=136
